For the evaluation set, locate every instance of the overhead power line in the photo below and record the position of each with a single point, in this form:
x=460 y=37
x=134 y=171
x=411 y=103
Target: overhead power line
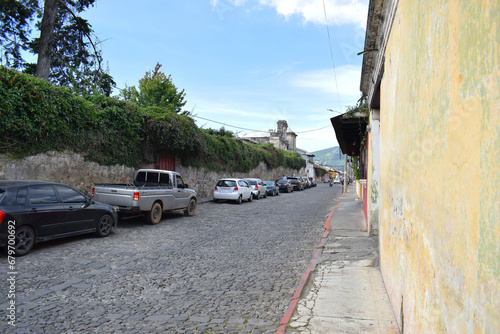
x=225 y=124
x=331 y=53
x=237 y=127
x=328 y=126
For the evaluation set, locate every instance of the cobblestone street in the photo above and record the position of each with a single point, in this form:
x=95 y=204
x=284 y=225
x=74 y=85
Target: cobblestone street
x=229 y=269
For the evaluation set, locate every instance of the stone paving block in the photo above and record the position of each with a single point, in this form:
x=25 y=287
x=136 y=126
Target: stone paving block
x=159 y=317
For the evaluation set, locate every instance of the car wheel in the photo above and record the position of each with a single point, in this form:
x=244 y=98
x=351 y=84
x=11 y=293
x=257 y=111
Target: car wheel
x=250 y=198
x=191 y=208
x=153 y=217
x=239 y=200
x=104 y=226
x=258 y=195
x=25 y=240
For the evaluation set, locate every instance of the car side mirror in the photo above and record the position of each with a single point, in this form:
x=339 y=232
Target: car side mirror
x=88 y=202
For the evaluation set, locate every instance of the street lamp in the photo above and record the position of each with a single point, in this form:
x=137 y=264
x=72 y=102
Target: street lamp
x=335 y=111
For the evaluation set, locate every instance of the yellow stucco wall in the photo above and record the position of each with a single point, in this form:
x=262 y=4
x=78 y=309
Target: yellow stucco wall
x=440 y=166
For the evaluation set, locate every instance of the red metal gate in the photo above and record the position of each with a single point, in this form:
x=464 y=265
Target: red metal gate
x=166 y=162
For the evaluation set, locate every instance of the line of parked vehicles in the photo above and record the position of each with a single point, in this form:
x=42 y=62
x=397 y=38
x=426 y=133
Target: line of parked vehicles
x=248 y=189
x=37 y=211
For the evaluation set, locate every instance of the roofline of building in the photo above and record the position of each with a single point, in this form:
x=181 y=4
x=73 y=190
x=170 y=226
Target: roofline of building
x=379 y=23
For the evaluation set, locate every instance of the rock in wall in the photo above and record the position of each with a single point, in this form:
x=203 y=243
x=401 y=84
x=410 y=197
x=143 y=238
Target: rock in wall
x=72 y=169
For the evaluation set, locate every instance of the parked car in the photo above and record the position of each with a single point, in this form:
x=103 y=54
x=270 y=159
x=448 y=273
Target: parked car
x=153 y=191
x=306 y=182
x=272 y=188
x=258 y=187
x=336 y=180
x=233 y=190
x=296 y=182
x=313 y=182
x=285 y=185
x=36 y=211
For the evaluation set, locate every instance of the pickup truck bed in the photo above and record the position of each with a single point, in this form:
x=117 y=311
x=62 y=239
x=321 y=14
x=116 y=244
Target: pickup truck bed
x=148 y=196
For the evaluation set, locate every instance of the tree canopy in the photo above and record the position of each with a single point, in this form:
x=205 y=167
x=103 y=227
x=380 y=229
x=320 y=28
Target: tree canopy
x=15 y=28
x=67 y=49
x=157 y=90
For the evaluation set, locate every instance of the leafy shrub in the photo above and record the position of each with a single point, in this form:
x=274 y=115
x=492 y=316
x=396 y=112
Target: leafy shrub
x=36 y=116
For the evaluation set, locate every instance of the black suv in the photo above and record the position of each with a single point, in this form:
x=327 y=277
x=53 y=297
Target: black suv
x=296 y=182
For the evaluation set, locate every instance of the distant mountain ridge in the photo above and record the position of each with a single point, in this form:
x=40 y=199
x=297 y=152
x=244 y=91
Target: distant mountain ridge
x=331 y=157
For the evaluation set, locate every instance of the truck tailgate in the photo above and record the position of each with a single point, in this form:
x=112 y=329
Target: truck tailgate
x=120 y=196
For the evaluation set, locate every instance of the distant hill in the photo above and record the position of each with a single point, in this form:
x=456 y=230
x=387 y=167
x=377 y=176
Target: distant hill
x=331 y=157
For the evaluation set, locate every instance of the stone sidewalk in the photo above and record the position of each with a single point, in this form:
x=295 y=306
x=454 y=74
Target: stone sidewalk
x=346 y=293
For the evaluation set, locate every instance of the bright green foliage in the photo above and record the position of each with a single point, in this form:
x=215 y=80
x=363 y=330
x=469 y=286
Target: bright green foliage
x=156 y=89
x=221 y=132
x=232 y=154
x=36 y=117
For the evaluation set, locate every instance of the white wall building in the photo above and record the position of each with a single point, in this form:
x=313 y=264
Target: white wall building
x=282 y=137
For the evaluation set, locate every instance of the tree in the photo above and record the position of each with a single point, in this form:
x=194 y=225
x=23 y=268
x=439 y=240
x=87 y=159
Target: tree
x=46 y=39
x=222 y=132
x=67 y=50
x=156 y=89
x=15 y=28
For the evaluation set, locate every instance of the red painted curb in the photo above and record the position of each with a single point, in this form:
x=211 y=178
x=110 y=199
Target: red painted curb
x=295 y=299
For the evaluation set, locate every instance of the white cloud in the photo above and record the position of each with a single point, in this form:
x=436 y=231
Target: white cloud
x=338 y=12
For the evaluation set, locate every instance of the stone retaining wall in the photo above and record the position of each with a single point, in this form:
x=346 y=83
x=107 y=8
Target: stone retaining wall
x=72 y=169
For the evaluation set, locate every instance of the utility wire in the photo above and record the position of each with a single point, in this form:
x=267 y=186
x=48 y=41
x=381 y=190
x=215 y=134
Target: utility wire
x=331 y=53
x=231 y=126
x=315 y=129
x=237 y=127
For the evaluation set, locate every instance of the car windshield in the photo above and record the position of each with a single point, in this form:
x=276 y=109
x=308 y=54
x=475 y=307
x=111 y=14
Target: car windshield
x=270 y=183
x=252 y=183
x=226 y=183
x=283 y=181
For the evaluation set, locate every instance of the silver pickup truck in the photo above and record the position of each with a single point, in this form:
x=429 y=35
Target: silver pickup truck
x=153 y=192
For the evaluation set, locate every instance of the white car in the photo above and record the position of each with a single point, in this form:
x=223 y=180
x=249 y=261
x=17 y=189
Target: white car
x=233 y=190
x=259 y=188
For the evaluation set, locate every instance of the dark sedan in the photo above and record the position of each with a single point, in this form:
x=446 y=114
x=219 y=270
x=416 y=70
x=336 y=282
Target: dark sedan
x=296 y=182
x=284 y=186
x=36 y=211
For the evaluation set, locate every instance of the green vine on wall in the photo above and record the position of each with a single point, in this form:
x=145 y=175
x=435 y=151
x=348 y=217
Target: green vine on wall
x=36 y=117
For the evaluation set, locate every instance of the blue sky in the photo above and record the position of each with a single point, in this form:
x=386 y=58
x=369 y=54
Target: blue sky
x=245 y=63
